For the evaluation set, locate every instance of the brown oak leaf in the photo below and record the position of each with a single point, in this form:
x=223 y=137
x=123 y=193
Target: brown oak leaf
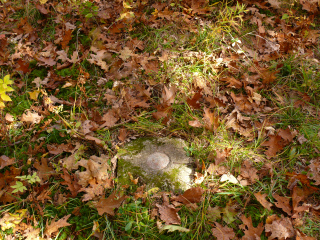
x=275 y=144
x=280 y=228
x=6 y=161
x=250 y=232
x=44 y=171
x=192 y=195
x=107 y=205
x=222 y=233
x=211 y=121
x=286 y=134
x=262 y=199
x=283 y=203
x=315 y=171
x=71 y=182
x=55 y=225
x=169 y=214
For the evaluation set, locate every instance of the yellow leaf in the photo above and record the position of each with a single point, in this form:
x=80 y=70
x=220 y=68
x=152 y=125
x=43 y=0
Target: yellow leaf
x=126 y=5
x=7 y=80
x=10 y=220
x=5 y=97
x=2 y=104
x=34 y=95
x=126 y=15
x=43 y=1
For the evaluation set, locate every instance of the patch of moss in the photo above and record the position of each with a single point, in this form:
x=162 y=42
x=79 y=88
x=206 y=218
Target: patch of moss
x=68 y=72
x=137 y=146
x=166 y=180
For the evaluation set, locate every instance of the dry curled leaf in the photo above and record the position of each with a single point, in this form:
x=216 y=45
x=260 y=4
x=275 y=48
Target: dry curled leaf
x=107 y=205
x=192 y=195
x=262 y=199
x=283 y=203
x=280 y=228
x=222 y=233
x=250 y=232
x=54 y=226
x=169 y=214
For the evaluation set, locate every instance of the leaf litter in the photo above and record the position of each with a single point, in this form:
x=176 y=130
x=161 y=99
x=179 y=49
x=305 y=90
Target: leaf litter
x=239 y=104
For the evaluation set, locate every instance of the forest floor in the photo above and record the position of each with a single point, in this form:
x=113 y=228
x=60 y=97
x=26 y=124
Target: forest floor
x=239 y=81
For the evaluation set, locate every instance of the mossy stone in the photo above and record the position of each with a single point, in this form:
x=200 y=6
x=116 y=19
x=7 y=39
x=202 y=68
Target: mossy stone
x=158 y=162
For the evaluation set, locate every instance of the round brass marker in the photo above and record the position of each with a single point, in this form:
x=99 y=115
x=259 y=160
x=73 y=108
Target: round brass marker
x=158 y=161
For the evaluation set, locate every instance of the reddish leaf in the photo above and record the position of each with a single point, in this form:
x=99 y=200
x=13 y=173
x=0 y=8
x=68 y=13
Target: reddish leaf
x=23 y=66
x=211 y=121
x=193 y=102
x=192 y=195
x=66 y=38
x=275 y=144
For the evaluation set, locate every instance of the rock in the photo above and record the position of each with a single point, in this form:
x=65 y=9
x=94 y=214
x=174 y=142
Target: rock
x=158 y=162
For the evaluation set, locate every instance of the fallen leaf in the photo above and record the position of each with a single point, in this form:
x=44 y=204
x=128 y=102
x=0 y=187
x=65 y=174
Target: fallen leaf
x=229 y=178
x=211 y=121
x=286 y=134
x=54 y=226
x=123 y=133
x=214 y=214
x=248 y=171
x=192 y=195
x=195 y=123
x=169 y=214
x=274 y=3
x=66 y=38
x=250 y=232
x=107 y=205
x=34 y=95
x=168 y=95
x=71 y=182
x=315 y=171
x=172 y=228
x=193 y=102
x=222 y=233
x=262 y=199
x=221 y=155
x=10 y=220
x=274 y=144
x=280 y=229
x=125 y=53
x=229 y=212
x=283 y=203
x=44 y=171
x=6 y=161
x=31 y=117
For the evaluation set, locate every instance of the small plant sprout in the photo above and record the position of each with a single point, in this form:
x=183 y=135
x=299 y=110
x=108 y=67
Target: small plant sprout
x=30 y=178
